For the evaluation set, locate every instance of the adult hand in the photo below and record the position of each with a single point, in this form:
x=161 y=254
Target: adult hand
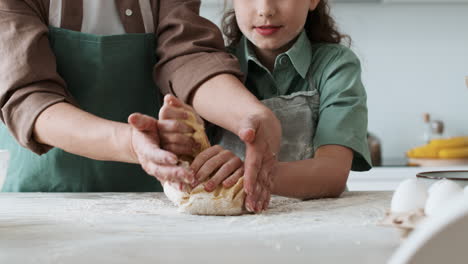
x=176 y=135
x=262 y=136
x=146 y=148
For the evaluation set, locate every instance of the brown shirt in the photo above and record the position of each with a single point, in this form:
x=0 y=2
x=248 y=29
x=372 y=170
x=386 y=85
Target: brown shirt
x=189 y=49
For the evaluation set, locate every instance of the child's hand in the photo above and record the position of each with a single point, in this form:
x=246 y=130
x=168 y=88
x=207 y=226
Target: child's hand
x=262 y=136
x=224 y=165
x=174 y=134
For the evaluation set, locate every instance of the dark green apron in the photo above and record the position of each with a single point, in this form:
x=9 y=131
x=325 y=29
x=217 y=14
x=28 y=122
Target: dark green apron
x=111 y=77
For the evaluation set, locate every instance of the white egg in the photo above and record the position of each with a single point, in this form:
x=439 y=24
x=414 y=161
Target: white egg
x=440 y=193
x=436 y=184
x=410 y=195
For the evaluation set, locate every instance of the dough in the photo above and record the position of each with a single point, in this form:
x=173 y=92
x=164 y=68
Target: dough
x=198 y=135
x=221 y=201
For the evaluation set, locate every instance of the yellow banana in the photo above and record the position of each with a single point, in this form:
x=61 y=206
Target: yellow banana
x=449 y=148
x=425 y=151
x=454 y=153
x=449 y=142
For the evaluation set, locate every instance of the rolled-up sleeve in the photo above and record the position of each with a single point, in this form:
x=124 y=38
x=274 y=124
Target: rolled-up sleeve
x=190 y=49
x=29 y=82
x=343 y=108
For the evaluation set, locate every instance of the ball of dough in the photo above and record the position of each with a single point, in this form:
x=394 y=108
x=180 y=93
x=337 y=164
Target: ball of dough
x=221 y=201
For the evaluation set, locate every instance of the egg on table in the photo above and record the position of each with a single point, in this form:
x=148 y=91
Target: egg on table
x=440 y=193
x=410 y=195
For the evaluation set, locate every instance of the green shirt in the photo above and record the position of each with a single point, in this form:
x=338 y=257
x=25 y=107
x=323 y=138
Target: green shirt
x=337 y=76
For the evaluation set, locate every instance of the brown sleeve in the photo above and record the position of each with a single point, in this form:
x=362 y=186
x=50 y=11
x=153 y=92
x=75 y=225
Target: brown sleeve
x=29 y=82
x=190 y=49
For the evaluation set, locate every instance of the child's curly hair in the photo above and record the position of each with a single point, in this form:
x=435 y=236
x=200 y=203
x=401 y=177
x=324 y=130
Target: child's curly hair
x=320 y=26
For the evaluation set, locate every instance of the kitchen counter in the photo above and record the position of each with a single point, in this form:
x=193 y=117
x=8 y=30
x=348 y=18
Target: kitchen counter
x=146 y=228
x=388 y=178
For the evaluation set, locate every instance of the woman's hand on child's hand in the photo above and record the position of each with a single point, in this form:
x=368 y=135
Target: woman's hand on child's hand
x=262 y=136
x=146 y=148
x=224 y=165
x=175 y=135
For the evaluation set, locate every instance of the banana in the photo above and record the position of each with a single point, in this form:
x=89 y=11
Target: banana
x=449 y=142
x=449 y=148
x=453 y=153
x=425 y=151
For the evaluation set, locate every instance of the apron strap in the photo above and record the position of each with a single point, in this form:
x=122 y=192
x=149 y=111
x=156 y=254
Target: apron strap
x=147 y=14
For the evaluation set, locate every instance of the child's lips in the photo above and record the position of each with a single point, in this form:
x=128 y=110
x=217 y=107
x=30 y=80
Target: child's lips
x=267 y=30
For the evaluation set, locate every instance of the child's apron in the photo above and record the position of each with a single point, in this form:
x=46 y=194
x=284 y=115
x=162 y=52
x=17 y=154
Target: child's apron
x=298 y=114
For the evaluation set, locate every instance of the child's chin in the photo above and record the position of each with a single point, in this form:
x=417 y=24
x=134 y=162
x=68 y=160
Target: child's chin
x=269 y=45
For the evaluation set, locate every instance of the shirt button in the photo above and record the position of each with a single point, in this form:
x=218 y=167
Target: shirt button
x=283 y=61
x=128 y=12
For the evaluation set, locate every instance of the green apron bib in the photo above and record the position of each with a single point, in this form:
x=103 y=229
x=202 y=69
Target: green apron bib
x=111 y=77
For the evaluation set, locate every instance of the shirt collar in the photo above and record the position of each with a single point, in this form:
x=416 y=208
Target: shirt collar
x=300 y=54
x=245 y=54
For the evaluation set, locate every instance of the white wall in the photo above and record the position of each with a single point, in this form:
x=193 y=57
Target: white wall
x=414 y=60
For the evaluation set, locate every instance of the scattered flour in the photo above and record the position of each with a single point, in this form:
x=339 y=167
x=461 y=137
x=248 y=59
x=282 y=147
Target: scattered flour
x=157 y=212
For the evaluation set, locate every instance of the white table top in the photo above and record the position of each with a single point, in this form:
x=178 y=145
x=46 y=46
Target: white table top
x=146 y=228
